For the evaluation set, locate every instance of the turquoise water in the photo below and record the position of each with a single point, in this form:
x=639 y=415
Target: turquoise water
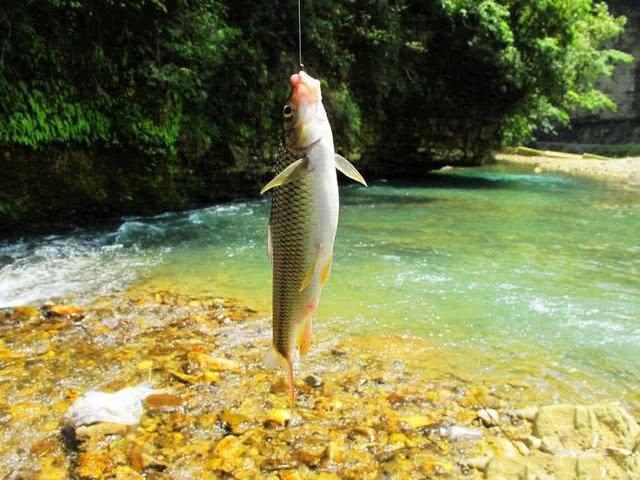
x=518 y=276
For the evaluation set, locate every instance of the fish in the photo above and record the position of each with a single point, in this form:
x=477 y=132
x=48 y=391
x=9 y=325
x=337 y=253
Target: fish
x=303 y=221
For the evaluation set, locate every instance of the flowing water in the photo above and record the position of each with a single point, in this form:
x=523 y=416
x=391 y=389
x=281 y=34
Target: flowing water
x=521 y=278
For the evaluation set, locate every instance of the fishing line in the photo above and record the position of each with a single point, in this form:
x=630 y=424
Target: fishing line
x=300 y=36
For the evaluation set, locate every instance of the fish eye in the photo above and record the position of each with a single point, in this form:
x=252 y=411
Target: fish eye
x=287 y=111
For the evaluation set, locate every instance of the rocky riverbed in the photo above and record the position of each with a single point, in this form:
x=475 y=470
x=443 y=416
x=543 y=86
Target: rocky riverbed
x=366 y=408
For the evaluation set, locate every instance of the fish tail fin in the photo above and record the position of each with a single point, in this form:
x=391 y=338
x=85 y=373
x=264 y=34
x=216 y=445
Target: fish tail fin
x=274 y=359
x=304 y=341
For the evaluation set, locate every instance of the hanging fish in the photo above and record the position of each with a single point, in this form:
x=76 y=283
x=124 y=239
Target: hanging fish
x=303 y=222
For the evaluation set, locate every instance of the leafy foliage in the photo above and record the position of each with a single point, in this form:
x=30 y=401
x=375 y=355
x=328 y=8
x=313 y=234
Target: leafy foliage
x=195 y=87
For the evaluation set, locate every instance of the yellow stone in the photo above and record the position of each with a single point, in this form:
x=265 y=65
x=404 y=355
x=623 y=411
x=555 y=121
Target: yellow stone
x=49 y=471
x=211 y=377
x=92 y=465
x=417 y=421
x=145 y=365
x=432 y=396
x=218 y=364
x=289 y=475
x=280 y=416
x=67 y=310
x=127 y=473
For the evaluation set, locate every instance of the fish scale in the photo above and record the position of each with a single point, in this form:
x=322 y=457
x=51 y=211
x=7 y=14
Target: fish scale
x=291 y=226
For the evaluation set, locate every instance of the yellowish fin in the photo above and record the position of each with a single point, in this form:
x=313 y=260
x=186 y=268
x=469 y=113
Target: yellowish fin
x=346 y=167
x=304 y=341
x=293 y=172
x=306 y=281
x=326 y=271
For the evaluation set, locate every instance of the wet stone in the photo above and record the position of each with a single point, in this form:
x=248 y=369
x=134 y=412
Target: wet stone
x=313 y=381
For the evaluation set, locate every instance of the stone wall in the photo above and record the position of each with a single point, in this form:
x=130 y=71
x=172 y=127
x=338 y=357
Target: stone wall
x=623 y=125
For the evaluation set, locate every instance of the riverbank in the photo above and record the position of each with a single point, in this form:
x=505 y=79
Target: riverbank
x=623 y=170
x=366 y=408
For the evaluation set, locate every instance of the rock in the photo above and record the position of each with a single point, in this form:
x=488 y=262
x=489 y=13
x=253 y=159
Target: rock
x=159 y=401
x=479 y=463
x=528 y=413
x=92 y=465
x=335 y=452
x=311 y=453
x=585 y=427
x=313 y=381
x=395 y=398
x=530 y=441
x=456 y=432
x=71 y=311
x=538 y=169
x=279 y=416
x=489 y=417
x=26 y=313
x=237 y=423
x=98 y=431
x=366 y=432
x=289 y=475
x=504 y=448
x=417 y=421
x=218 y=364
x=548 y=467
x=522 y=448
x=145 y=365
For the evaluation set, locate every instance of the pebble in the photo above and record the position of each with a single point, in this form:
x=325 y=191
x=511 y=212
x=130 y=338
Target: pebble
x=313 y=381
x=417 y=421
x=531 y=441
x=522 y=448
x=279 y=416
x=238 y=423
x=479 y=463
x=528 y=413
x=489 y=417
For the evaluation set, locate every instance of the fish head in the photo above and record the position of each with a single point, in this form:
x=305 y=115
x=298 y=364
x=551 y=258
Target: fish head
x=305 y=120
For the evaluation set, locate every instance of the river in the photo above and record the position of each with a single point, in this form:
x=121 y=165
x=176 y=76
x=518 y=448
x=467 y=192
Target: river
x=527 y=278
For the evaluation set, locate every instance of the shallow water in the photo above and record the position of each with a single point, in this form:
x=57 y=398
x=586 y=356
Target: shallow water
x=526 y=278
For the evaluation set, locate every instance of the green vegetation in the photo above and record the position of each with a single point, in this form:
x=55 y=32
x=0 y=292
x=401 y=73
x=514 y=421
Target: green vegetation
x=169 y=101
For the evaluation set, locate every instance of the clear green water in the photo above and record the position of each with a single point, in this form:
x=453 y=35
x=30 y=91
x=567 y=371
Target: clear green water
x=522 y=277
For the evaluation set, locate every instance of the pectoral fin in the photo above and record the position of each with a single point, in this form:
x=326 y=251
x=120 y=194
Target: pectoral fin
x=294 y=171
x=346 y=167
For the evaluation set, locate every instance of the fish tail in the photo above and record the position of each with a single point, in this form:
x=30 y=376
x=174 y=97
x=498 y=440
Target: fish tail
x=274 y=359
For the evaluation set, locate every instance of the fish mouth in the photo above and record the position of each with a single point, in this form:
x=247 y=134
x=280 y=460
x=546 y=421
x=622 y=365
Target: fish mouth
x=304 y=88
